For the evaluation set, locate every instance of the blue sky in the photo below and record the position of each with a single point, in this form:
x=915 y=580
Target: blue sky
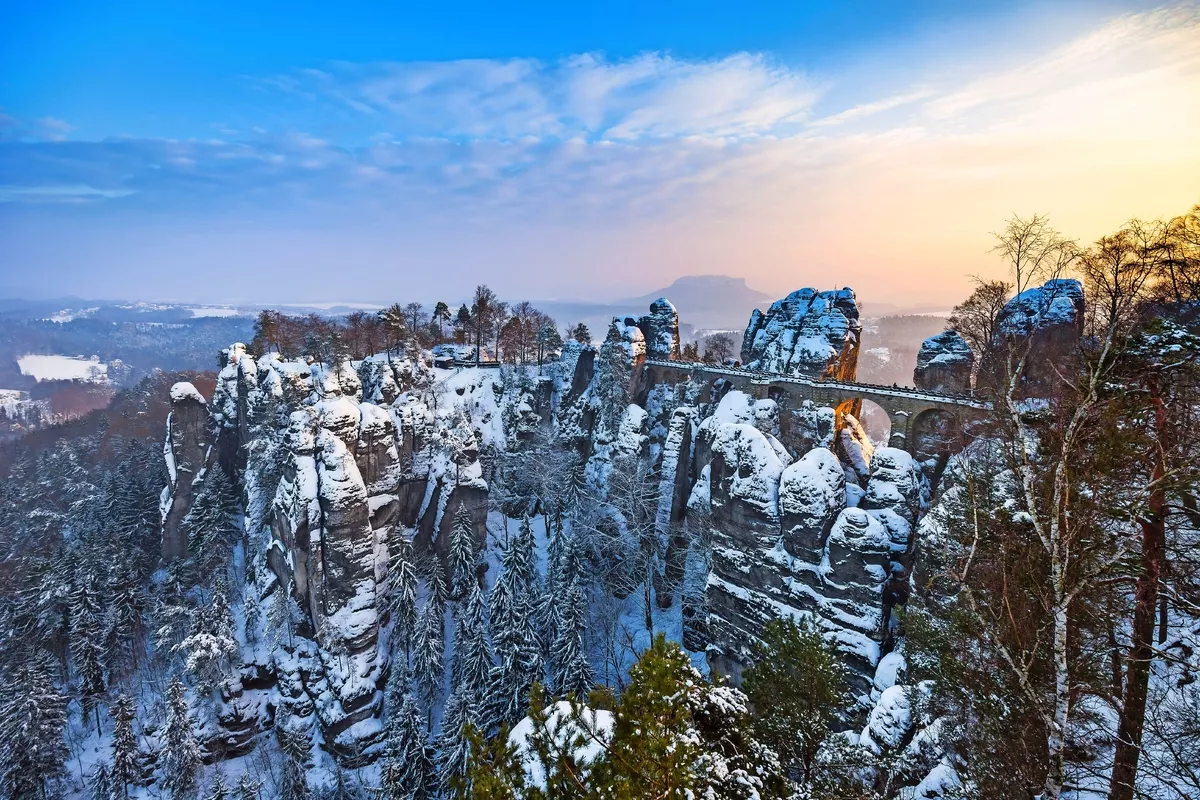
x=309 y=152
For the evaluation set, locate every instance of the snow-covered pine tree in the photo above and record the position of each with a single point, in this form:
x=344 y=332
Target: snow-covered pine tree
x=219 y=789
x=251 y=613
x=210 y=525
x=86 y=649
x=100 y=784
x=283 y=616
x=473 y=657
x=295 y=748
x=571 y=670
x=453 y=747
x=126 y=766
x=33 y=714
x=180 y=756
x=247 y=788
x=402 y=589
x=408 y=772
x=429 y=647
x=210 y=649
x=435 y=580
x=518 y=651
x=463 y=559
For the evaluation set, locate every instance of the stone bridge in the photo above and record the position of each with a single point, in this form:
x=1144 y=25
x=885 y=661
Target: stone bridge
x=910 y=410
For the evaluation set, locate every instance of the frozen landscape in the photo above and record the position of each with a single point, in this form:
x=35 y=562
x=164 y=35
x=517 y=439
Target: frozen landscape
x=622 y=401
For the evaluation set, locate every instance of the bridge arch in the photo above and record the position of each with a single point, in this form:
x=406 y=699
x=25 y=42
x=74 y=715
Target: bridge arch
x=876 y=420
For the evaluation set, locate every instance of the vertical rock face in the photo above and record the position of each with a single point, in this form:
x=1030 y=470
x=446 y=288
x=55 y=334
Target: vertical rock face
x=788 y=540
x=187 y=451
x=808 y=333
x=661 y=330
x=1048 y=320
x=766 y=511
x=944 y=363
x=348 y=471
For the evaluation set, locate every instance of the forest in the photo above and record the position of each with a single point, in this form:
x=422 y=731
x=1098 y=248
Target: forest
x=356 y=574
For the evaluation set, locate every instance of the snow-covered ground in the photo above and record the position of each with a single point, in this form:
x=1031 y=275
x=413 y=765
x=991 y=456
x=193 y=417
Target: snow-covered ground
x=63 y=368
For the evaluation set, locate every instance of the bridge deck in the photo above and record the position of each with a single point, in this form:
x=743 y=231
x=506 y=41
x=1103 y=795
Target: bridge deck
x=865 y=389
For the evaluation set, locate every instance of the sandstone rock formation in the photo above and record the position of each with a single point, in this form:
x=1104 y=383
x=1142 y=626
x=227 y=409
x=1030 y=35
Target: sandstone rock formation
x=661 y=330
x=187 y=451
x=1046 y=322
x=944 y=363
x=808 y=333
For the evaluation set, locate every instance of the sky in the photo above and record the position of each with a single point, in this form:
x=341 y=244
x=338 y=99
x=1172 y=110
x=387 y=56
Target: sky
x=370 y=152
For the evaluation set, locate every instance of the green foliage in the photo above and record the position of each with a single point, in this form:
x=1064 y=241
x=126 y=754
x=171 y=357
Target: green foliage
x=796 y=686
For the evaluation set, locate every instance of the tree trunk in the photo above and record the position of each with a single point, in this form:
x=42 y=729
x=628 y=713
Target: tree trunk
x=1145 y=609
x=1056 y=741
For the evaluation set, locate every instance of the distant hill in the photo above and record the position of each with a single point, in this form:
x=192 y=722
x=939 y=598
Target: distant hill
x=704 y=302
x=707 y=295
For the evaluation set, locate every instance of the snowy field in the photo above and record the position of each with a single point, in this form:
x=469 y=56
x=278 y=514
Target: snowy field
x=62 y=368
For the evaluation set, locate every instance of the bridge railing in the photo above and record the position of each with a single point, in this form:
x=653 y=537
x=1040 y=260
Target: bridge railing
x=943 y=398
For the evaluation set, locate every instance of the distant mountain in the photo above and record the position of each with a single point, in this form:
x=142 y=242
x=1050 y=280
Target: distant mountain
x=704 y=294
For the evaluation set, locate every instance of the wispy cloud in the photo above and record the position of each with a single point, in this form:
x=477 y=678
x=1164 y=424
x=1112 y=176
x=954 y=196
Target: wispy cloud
x=717 y=164
x=651 y=96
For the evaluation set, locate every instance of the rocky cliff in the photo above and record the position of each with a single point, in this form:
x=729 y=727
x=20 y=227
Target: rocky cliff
x=808 y=333
x=944 y=363
x=763 y=510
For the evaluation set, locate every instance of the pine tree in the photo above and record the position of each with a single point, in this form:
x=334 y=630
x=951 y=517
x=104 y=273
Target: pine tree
x=652 y=753
x=247 y=788
x=463 y=559
x=429 y=649
x=296 y=749
x=403 y=591
x=572 y=672
x=180 y=757
x=795 y=716
x=126 y=758
x=453 y=745
x=219 y=789
x=33 y=715
x=100 y=785
x=283 y=616
x=86 y=651
x=209 y=523
x=212 y=646
x=473 y=657
x=252 y=612
x=518 y=651
x=408 y=772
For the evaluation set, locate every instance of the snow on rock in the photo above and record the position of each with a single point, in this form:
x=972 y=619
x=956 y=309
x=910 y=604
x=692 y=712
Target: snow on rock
x=889 y=721
x=944 y=363
x=747 y=467
x=1057 y=302
x=812 y=492
x=580 y=734
x=941 y=782
x=808 y=333
x=183 y=390
x=1048 y=321
x=187 y=451
x=894 y=494
x=661 y=330
x=887 y=674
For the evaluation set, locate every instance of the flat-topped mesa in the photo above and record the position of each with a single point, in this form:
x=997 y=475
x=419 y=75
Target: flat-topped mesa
x=807 y=334
x=944 y=363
